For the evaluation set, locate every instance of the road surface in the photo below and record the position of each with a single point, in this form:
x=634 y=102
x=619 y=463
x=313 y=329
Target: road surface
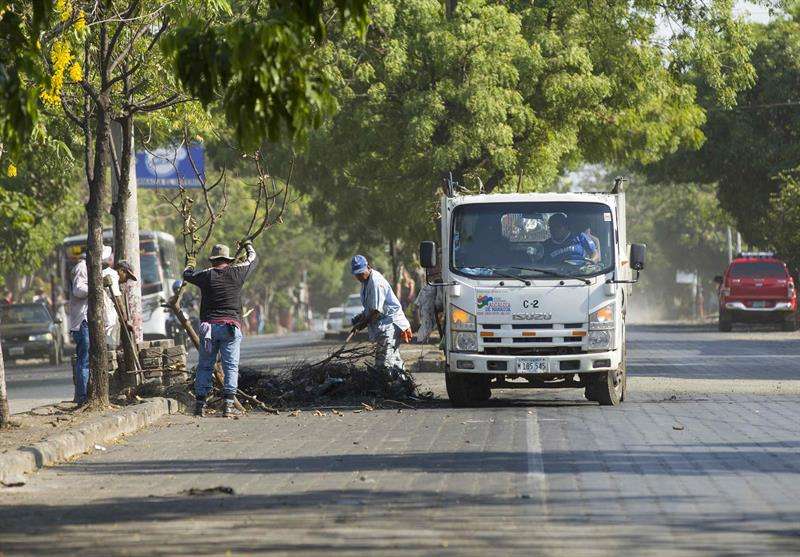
x=702 y=459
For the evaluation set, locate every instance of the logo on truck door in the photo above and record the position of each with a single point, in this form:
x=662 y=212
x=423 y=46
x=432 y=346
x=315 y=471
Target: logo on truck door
x=493 y=304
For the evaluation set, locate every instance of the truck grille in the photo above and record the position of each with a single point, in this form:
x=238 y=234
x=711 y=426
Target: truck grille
x=531 y=351
x=531 y=338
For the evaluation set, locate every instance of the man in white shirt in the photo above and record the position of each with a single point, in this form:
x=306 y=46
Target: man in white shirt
x=79 y=328
x=110 y=279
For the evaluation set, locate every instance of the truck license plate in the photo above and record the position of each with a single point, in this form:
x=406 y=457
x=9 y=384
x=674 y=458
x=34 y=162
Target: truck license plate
x=16 y=351
x=533 y=365
x=760 y=304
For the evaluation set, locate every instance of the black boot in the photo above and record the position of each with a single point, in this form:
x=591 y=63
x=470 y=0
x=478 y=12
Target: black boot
x=200 y=407
x=230 y=410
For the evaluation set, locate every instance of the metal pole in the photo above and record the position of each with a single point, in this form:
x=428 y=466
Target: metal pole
x=730 y=246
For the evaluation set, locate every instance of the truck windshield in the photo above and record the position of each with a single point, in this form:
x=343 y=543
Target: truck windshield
x=565 y=238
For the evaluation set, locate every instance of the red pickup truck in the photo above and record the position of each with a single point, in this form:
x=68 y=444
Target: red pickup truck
x=757 y=288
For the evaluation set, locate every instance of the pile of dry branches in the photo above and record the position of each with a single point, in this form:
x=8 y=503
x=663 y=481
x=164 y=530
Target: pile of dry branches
x=343 y=376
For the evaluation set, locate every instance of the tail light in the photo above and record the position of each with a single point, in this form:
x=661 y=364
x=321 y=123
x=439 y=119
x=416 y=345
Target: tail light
x=725 y=290
x=790 y=291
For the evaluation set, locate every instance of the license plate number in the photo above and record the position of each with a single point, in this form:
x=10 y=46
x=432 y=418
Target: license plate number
x=760 y=304
x=533 y=365
x=16 y=351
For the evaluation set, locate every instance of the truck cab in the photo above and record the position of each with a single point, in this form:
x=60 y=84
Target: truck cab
x=536 y=288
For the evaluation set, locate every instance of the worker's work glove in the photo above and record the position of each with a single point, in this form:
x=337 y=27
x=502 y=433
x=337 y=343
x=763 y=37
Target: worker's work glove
x=106 y=280
x=191 y=261
x=406 y=336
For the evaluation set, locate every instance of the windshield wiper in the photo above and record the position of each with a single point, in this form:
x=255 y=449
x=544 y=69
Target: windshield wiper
x=552 y=273
x=510 y=276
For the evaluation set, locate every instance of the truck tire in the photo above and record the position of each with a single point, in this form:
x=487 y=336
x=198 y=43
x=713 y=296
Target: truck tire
x=789 y=325
x=725 y=323
x=466 y=389
x=609 y=389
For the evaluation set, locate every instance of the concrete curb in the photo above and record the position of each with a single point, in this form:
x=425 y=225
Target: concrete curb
x=101 y=430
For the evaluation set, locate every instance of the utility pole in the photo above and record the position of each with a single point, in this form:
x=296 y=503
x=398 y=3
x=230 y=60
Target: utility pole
x=730 y=246
x=126 y=217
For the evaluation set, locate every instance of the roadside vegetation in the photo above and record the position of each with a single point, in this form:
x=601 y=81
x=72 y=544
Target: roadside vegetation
x=373 y=104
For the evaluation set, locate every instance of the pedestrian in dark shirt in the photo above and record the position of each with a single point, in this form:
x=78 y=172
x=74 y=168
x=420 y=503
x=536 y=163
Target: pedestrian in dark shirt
x=220 y=320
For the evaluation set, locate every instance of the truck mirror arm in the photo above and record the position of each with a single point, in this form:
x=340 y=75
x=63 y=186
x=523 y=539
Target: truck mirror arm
x=634 y=281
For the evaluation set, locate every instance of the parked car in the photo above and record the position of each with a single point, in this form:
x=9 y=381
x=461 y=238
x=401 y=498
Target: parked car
x=333 y=320
x=757 y=288
x=30 y=331
x=352 y=307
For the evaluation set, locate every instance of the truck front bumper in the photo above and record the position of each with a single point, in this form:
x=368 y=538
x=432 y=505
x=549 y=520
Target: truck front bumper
x=584 y=362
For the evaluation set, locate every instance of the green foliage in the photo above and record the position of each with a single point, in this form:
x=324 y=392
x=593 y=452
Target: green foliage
x=38 y=207
x=507 y=96
x=262 y=66
x=785 y=220
x=750 y=148
x=20 y=24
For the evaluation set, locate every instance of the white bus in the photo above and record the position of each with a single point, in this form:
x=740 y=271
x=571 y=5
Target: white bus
x=158 y=258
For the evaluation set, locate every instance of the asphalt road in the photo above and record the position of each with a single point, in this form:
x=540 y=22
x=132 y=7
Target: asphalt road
x=702 y=459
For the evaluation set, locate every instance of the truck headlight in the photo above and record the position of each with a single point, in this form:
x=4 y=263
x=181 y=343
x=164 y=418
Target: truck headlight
x=465 y=342
x=40 y=338
x=599 y=340
x=461 y=320
x=602 y=319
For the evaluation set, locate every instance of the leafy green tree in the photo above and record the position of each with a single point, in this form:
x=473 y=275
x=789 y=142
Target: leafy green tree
x=751 y=149
x=20 y=25
x=507 y=95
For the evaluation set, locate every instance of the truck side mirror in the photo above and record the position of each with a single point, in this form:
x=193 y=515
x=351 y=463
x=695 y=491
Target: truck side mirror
x=718 y=279
x=427 y=254
x=637 y=257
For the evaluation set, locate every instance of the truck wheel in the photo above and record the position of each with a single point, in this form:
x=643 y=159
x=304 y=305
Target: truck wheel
x=465 y=389
x=725 y=323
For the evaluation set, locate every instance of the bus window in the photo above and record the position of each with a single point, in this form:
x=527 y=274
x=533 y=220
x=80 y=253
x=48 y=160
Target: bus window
x=151 y=278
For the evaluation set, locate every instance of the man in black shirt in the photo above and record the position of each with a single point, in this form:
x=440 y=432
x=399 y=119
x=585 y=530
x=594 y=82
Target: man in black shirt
x=220 y=320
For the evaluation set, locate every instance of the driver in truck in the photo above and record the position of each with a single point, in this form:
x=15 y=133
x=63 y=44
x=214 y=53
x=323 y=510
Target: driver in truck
x=563 y=246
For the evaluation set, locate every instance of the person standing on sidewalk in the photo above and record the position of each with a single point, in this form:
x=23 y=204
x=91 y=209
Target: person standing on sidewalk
x=79 y=329
x=220 y=320
x=382 y=314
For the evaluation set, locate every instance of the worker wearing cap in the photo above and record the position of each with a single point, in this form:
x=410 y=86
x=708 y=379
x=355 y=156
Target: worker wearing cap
x=113 y=276
x=382 y=315
x=220 y=320
x=111 y=282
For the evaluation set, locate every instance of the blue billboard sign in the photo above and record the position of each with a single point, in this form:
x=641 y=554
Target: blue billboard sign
x=169 y=167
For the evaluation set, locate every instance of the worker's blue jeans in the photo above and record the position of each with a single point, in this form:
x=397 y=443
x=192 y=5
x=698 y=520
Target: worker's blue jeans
x=81 y=369
x=225 y=341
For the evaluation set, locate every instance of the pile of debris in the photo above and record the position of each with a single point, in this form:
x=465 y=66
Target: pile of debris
x=342 y=377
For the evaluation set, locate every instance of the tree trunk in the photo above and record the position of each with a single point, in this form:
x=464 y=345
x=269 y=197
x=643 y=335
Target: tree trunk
x=98 y=381
x=126 y=219
x=5 y=413
x=393 y=247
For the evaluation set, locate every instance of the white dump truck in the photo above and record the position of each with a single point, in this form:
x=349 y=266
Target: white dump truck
x=536 y=288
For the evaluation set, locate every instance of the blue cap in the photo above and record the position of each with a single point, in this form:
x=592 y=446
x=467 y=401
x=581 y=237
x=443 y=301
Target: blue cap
x=358 y=264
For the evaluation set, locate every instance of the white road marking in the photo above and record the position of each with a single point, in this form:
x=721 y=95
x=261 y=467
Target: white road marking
x=535 y=476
